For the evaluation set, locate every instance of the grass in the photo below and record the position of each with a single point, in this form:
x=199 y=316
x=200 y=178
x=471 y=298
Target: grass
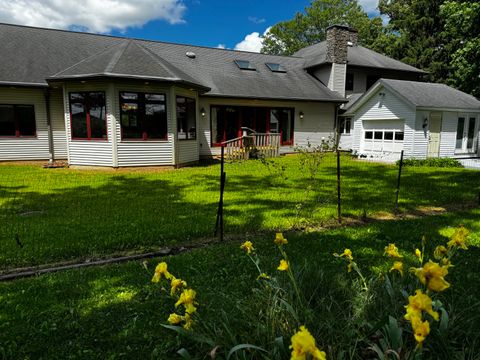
x=62 y=214
x=115 y=312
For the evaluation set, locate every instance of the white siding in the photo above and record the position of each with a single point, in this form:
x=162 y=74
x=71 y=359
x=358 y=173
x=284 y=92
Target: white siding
x=317 y=124
x=387 y=107
x=58 y=124
x=150 y=152
x=421 y=135
x=337 y=78
x=33 y=148
x=448 y=136
x=89 y=152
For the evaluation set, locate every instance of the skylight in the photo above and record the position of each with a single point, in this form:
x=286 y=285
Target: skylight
x=244 y=65
x=276 y=67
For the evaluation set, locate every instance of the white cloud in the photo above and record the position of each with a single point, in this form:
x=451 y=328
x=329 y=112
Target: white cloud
x=221 y=46
x=100 y=16
x=370 y=6
x=253 y=42
x=256 y=20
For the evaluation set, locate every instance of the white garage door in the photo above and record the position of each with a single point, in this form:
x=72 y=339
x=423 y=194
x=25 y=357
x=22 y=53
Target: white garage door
x=383 y=136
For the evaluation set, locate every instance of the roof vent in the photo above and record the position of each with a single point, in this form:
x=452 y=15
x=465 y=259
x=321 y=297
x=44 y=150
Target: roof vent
x=349 y=43
x=191 y=54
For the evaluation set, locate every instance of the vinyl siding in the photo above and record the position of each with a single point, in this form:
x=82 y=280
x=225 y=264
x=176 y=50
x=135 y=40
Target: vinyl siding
x=150 y=152
x=29 y=148
x=448 y=136
x=89 y=152
x=388 y=107
x=317 y=124
x=58 y=124
x=337 y=78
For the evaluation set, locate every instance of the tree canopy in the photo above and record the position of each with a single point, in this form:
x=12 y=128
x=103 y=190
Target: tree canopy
x=439 y=36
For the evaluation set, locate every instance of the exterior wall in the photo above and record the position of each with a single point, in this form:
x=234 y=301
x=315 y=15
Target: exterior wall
x=386 y=107
x=360 y=77
x=28 y=148
x=144 y=152
x=188 y=150
x=323 y=73
x=317 y=124
x=58 y=124
x=337 y=78
x=90 y=152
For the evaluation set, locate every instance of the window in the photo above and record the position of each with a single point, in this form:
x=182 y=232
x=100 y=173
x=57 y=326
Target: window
x=227 y=122
x=17 y=120
x=244 y=65
x=186 y=118
x=368 y=134
x=276 y=67
x=388 y=135
x=349 y=82
x=378 y=135
x=399 y=135
x=88 y=115
x=345 y=125
x=143 y=116
x=371 y=79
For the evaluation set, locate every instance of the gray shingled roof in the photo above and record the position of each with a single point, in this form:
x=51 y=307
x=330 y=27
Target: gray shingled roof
x=432 y=95
x=31 y=55
x=357 y=55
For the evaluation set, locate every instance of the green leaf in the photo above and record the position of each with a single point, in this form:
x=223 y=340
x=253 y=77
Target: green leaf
x=184 y=354
x=243 y=346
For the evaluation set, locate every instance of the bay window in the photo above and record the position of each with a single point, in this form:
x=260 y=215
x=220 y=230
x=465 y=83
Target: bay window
x=143 y=116
x=88 y=115
x=186 y=118
x=17 y=121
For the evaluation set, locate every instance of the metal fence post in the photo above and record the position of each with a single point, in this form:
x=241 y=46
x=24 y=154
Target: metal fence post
x=397 y=192
x=223 y=175
x=339 y=194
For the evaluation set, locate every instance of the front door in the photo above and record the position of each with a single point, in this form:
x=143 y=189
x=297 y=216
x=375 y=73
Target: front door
x=435 y=128
x=467 y=134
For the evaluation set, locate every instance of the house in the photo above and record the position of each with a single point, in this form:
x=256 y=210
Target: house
x=111 y=101
x=423 y=119
x=389 y=109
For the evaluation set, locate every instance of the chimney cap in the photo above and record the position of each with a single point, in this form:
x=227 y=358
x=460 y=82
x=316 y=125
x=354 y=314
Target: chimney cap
x=344 y=27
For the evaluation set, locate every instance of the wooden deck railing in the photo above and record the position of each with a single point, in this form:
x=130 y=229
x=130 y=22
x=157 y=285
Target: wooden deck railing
x=257 y=144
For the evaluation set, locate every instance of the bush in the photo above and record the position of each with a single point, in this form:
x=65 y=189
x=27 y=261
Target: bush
x=432 y=162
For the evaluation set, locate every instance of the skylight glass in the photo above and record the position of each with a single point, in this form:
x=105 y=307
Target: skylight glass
x=276 y=67
x=244 y=65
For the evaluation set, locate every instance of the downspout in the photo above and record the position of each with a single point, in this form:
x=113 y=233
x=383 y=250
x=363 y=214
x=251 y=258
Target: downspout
x=51 y=154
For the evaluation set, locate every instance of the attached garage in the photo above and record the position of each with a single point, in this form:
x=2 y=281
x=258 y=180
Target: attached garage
x=383 y=136
x=422 y=119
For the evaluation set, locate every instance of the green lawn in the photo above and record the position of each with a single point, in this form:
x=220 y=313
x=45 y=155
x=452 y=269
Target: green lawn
x=63 y=214
x=114 y=312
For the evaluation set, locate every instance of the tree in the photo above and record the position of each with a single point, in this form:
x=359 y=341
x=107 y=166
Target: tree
x=309 y=27
x=439 y=36
x=462 y=30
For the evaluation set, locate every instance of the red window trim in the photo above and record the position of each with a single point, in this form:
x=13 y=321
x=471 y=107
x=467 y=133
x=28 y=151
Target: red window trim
x=144 y=134
x=289 y=142
x=16 y=123
x=89 y=129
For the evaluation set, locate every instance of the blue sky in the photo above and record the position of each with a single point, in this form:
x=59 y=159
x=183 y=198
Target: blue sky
x=227 y=23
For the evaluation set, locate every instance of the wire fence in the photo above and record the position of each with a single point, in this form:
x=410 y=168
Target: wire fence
x=59 y=215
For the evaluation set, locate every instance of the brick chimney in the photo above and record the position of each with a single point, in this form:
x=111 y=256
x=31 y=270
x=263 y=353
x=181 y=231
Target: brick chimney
x=339 y=39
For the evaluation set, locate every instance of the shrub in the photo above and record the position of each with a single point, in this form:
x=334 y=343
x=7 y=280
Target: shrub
x=432 y=162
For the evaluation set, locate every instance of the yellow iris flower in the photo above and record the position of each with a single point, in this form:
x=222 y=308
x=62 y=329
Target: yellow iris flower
x=263 y=276
x=459 y=238
x=397 y=266
x=161 y=269
x=432 y=275
x=279 y=239
x=418 y=303
x=418 y=253
x=187 y=299
x=392 y=251
x=421 y=329
x=440 y=252
x=283 y=265
x=303 y=345
x=347 y=253
x=177 y=284
x=175 y=319
x=248 y=247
